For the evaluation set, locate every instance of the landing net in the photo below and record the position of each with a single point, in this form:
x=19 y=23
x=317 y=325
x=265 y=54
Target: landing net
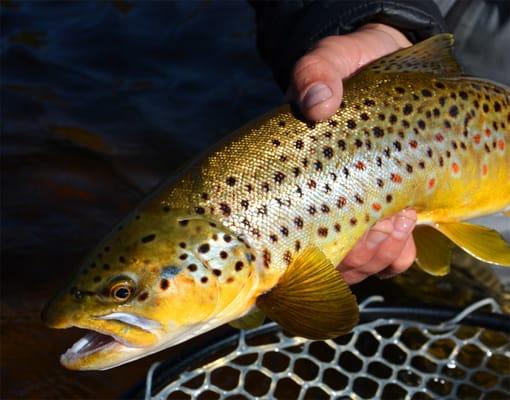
x=383 y=358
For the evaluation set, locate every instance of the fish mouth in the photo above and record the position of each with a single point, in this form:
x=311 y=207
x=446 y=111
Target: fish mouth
x=101 y=349
x=91 y=343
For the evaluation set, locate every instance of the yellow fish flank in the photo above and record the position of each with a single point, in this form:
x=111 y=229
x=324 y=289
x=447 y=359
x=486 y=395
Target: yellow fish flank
x=257 y=226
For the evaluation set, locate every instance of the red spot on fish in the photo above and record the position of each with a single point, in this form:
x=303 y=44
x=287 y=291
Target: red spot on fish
x=360 y=165
x=485 y=169
x=376 y=207
x=439 y=137
x=413 y=144
x=477 y=138
x=396 y=178
x=487 y=132
x=432 y=183
x=455 y=168
x=501 y=144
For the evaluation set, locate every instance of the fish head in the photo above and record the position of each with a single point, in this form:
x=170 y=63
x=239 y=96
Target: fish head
x=152 y=284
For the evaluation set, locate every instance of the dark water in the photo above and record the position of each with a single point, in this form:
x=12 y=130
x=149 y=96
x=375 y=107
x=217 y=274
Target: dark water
x=99 y=101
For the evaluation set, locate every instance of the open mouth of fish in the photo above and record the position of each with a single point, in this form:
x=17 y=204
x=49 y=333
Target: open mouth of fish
x=95 y=344
x=91 y=343
x=116 y=337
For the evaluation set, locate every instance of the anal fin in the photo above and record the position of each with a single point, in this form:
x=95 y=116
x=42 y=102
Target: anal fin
x=311 y=299
x=481 y=242
x=433 y=250
x=249 y=321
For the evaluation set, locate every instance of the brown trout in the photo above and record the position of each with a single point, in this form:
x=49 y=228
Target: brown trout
x=257 y=226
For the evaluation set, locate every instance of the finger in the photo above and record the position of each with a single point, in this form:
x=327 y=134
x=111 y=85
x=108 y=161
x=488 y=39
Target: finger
x=353 y=276
x=389 y=251
x=318 y=86
x=403 y=261
x=361 y=253
x=317 y=77
x=365 y=249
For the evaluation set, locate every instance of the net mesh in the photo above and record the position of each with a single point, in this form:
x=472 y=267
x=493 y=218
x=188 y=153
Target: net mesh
x=387 y=359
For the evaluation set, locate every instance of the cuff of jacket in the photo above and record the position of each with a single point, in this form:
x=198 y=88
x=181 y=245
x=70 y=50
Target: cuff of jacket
x=283 y=41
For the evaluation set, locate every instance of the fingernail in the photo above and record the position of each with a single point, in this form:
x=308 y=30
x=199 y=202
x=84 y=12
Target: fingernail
x=316 y=94
x=385 y=275
x=402 y=227
x=374 y=238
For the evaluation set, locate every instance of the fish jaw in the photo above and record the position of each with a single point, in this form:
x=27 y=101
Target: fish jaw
x=111 y=342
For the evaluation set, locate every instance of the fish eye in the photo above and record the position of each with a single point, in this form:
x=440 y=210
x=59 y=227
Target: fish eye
x=122 y=290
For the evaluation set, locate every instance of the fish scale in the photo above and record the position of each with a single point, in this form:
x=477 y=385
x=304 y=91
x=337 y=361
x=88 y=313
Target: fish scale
x=257 y=225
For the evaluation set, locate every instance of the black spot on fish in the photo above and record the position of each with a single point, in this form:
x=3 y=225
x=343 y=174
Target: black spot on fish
x=148 y=238
x=408 y=109
x=204 y=248
x=328 y=152
x=453 y=111
x=351 y=124
x=426 y=93
x=163 y=284
x=225 y=209
x=192 y=267
x=378 y=132
x=200 y=210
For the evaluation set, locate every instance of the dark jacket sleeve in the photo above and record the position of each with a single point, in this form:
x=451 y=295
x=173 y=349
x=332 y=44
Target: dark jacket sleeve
x=286 y=30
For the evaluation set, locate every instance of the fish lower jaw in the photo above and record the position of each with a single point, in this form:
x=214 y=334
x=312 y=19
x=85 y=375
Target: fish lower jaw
x=91 y=345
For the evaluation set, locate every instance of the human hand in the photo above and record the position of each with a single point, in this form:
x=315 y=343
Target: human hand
x=317 y=76
x=388 y=248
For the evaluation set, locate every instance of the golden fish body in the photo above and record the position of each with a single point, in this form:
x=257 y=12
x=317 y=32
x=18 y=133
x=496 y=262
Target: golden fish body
x=243 y=225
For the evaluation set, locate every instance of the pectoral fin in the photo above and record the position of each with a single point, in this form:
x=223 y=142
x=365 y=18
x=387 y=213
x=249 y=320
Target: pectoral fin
x=482 y=243
x=249 y=321
x=311 y=299
x=433 y=250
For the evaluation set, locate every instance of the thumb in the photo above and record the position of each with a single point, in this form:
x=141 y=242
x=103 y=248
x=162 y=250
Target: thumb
x=317 y=86
x=317 y=76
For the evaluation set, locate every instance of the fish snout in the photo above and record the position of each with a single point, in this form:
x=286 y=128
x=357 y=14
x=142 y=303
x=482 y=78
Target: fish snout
x=54 y=315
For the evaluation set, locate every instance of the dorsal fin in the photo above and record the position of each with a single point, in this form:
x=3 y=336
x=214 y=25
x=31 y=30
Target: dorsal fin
x=434 y=55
